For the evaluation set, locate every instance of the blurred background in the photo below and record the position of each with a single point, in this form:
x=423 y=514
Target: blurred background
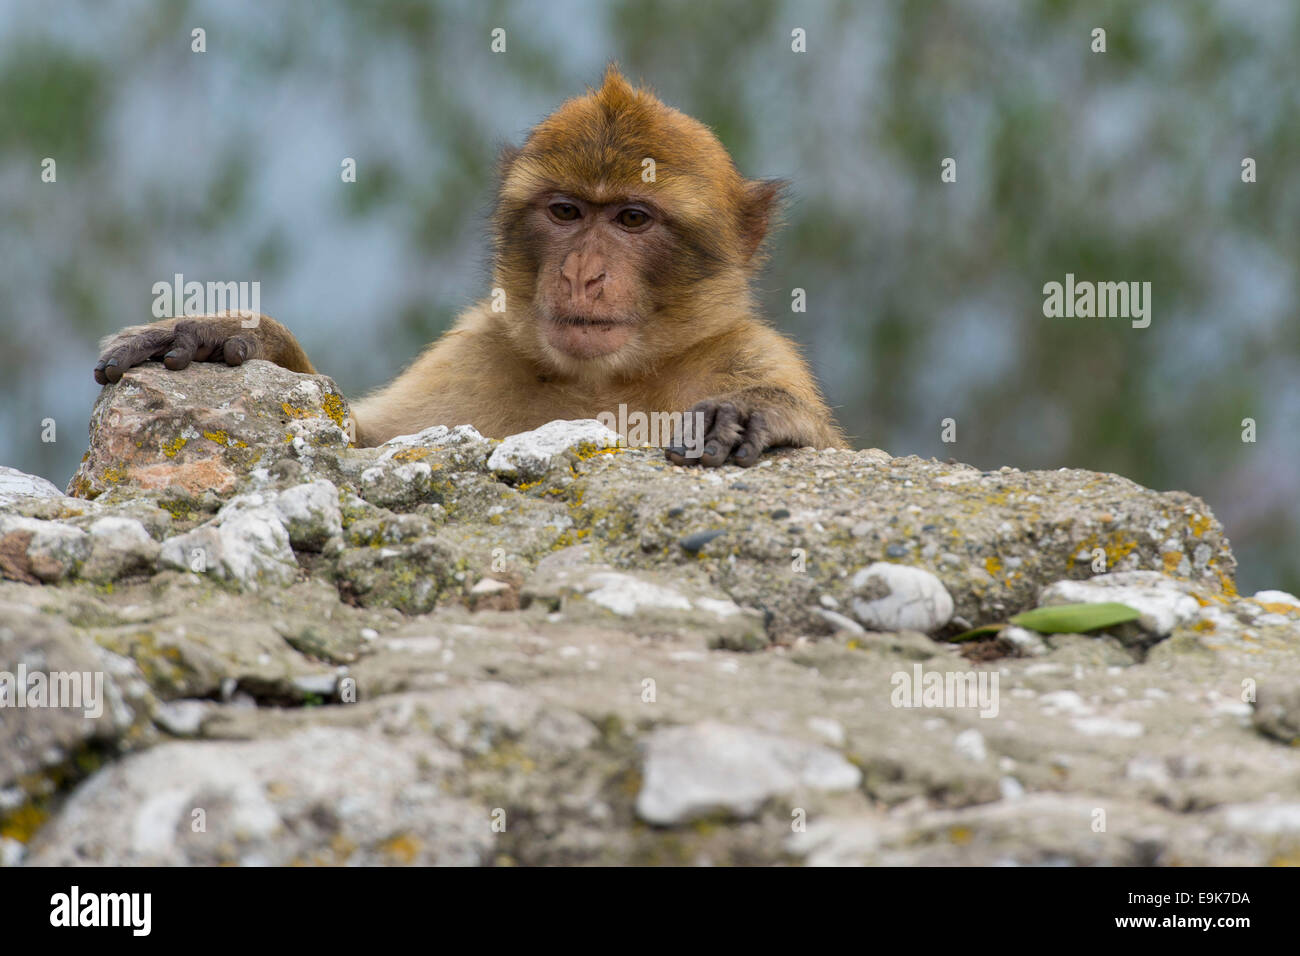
x=924 y=299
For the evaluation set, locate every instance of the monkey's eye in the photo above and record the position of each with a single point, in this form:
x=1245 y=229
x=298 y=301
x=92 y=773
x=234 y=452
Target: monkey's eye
x=632 y=218
x=564 y=211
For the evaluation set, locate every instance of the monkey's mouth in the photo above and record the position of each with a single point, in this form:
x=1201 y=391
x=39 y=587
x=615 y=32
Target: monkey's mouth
x=585 y=337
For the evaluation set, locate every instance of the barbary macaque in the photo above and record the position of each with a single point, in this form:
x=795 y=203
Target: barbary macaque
x=625 y=244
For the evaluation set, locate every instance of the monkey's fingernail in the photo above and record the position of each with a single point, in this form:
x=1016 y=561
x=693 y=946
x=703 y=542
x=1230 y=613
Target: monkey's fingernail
x=676 y=450
x=711 y=449
x=110 y=363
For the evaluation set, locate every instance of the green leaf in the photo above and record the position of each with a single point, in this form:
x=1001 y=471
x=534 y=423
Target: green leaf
x=1075 y=618
x=982 y=631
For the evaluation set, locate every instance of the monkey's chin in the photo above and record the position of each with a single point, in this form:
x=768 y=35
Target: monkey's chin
x=586 y=338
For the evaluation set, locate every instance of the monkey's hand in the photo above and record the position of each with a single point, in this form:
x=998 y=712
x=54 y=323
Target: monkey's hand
x=228 y=337
x=738 y=427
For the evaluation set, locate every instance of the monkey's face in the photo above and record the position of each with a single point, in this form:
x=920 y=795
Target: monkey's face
x=593 y=270
x=620 y=225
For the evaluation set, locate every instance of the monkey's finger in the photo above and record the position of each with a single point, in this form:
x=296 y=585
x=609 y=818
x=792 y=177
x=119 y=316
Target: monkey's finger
x=724 y=436
x=125 y=351
x=694 y=424
x=708 y=409
x=752 y=443
x=185 y=340
x=239 y=349
x=678 y=456
x=106 y=371
x=204 y=351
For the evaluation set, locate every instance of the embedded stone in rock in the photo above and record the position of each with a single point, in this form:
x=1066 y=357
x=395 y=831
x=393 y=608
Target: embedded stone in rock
x=436 y=436
x=644 y=602
x=1026 y=643
x=530 y=454
x=625 y=595
x=18 y=486
x=399 y=486
x=35 y=551
x=692 y=772
x=310 y=514
x=205 y=427
x=245 y=544
x=119 y=546
x=897 y=597
x=407 y=576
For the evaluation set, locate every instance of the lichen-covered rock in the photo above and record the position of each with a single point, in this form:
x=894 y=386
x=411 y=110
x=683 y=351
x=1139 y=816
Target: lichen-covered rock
x=156 y=429
x=569 y=585
x=118 y=546
x=32 y=550
x=245 y=544
x=66 y=707
x=529 y=455
x=464 y=438
x=538 y=633
x=409 y=577
x=272 y=803
x=310 y=514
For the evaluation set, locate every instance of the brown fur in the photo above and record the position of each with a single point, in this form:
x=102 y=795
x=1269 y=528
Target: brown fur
x=676 y=293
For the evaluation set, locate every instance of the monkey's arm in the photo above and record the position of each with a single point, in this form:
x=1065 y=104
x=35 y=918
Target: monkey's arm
x=226 y=337
x=470 y=375
x=766 y=398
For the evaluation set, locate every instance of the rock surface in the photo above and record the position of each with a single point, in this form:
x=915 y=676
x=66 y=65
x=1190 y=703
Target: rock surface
x=554 y=650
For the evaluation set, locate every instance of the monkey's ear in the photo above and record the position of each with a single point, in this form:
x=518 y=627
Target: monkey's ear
x=760 y=206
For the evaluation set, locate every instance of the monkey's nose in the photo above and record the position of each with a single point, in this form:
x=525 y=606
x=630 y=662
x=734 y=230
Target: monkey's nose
x=593 y=287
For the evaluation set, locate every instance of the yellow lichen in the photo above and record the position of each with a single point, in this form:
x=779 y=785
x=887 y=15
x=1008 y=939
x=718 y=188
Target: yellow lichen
x=221 y=438
x=1279 y=607
x=587 y=450
x=175 y=445
x=21 y=824
x=404 y=848
x=333 y=405
x=1117 y=546
x=411 y=454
